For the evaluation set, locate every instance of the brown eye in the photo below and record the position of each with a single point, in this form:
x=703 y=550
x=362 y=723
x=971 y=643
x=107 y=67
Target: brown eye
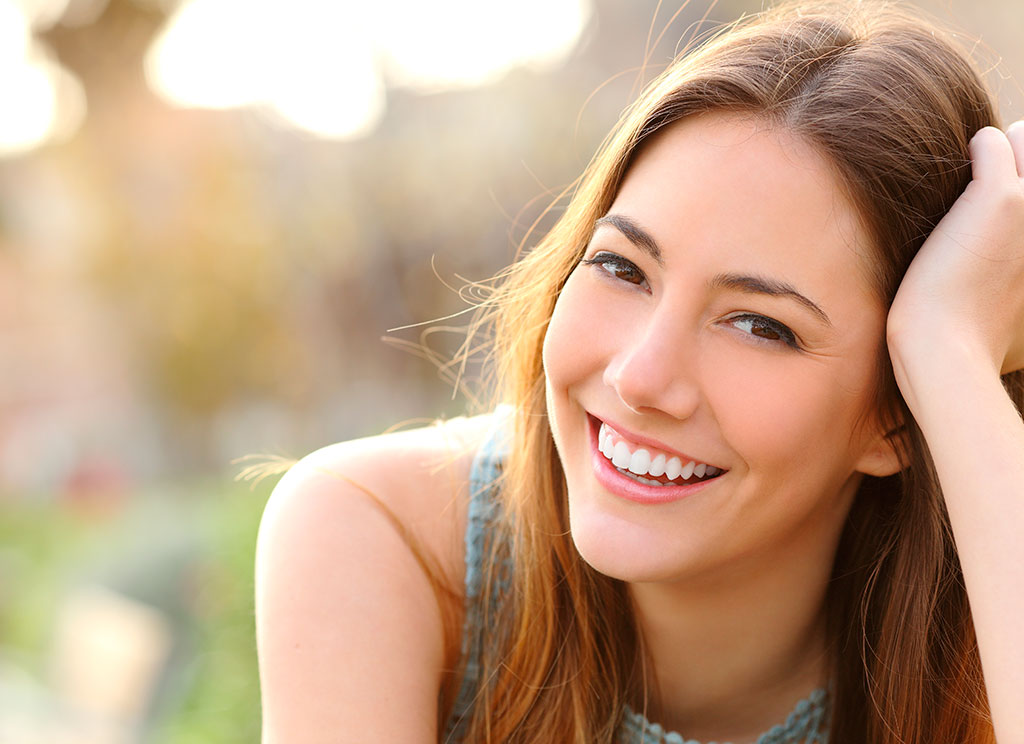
x=771 y=331
x=766 y=332
x=618 y=267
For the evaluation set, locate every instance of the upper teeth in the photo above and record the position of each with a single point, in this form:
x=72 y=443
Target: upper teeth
x=640 y=461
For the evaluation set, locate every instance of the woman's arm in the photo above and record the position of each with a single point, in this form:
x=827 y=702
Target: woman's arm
x=956 y=324
x=349 y=630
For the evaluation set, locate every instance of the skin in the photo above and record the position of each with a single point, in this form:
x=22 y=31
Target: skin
x=351 y=649
x=958 y=321
x=349 y=633
x=728 y=582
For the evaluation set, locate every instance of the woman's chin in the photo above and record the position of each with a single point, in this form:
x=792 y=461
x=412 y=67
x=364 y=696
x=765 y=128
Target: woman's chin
x=628 y=552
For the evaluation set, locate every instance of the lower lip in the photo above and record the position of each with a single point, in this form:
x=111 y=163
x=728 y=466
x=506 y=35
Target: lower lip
x=624 y=486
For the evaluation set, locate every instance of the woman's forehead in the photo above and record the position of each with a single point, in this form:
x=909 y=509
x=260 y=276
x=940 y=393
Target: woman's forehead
x=743 y=189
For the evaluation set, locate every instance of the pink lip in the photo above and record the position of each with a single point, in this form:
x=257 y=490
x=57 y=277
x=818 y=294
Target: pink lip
x=641 y=439
x=620 y=485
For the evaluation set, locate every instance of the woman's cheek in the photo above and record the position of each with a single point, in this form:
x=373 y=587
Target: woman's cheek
x=766 y=398
x=574 y=332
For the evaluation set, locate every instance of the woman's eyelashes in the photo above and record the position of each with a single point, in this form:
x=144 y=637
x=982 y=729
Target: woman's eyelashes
x=618 y=267
x=765 y=329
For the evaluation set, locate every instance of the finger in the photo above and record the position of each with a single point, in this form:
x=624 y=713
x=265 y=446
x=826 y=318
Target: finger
x=1015 y=133
x=992 y=157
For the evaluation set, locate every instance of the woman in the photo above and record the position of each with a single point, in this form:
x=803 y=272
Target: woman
x=763 y=408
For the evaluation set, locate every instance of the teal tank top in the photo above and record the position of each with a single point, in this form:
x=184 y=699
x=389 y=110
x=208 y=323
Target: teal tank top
x=808 y=723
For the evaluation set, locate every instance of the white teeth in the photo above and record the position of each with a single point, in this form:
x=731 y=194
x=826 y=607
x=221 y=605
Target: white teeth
x=639 y=462
x=687 y=470
x=621 y=455
x=672 y=468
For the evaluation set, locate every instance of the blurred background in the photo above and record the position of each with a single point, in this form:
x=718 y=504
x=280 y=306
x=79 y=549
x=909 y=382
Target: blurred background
x=212 y=212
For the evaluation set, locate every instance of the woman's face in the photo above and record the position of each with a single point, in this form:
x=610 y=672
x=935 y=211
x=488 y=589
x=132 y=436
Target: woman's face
x=721 y=317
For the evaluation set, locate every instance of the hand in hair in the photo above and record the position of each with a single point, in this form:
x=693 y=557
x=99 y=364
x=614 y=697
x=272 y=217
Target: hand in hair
x=964 y=292
x=958 y=322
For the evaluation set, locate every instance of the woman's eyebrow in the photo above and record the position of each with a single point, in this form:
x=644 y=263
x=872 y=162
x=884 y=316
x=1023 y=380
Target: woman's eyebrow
x=634 y=233
x=742 y=282
x=764 y=285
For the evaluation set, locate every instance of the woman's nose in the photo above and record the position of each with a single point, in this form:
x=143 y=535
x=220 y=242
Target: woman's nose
x=657 y=370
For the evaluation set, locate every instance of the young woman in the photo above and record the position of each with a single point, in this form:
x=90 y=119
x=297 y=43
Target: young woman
x=760 y=472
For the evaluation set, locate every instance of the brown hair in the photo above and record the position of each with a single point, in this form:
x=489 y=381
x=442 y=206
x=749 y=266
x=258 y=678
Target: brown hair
x=891 y=102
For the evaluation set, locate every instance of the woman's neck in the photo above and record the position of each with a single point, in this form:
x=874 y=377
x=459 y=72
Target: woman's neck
x=733 y=654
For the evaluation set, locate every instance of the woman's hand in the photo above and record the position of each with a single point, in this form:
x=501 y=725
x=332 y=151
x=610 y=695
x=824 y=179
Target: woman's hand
x=963 y=296
x=958 y=322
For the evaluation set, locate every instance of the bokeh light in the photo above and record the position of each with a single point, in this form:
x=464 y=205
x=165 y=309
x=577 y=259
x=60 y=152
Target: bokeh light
x=322 y=67
x=41 y=100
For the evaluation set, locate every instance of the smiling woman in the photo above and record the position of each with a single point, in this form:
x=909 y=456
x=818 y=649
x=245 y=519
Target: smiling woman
x=758 y=474
x=687 y=335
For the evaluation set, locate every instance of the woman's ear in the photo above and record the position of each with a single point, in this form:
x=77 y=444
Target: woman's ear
x=882 y=456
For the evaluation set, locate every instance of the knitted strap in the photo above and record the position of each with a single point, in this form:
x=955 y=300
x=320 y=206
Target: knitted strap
x=482 y=511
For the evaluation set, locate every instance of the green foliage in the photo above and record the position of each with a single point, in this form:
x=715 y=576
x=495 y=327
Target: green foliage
x=187 y=550
x=222 y=703
x=37 y=540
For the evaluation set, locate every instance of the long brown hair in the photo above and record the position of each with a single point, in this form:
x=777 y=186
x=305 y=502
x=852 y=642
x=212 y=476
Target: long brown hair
x=891 y=102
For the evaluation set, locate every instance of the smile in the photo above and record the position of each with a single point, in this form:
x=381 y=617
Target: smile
x=644 y=473
x=663 y=468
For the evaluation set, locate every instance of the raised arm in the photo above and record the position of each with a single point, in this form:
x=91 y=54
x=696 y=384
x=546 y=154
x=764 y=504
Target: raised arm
x=349 y=630
x=956 y=324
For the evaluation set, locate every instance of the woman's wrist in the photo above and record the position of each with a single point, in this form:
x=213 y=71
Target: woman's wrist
x=931 y=370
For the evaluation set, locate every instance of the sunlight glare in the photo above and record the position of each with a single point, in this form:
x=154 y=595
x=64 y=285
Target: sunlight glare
x=203 y=58
x=14 y=34
x=307 y=61
x=26 y=125
x=40 y=99
x=457 y=43
x=42 y=14
x=317 y=65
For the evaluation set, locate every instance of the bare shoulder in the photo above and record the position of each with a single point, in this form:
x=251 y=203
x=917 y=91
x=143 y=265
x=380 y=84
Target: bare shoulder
x=420 y=475
x=349 y=631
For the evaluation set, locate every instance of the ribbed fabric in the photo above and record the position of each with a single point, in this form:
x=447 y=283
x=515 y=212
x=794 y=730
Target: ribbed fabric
x=483 y=510
x=807 y=724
